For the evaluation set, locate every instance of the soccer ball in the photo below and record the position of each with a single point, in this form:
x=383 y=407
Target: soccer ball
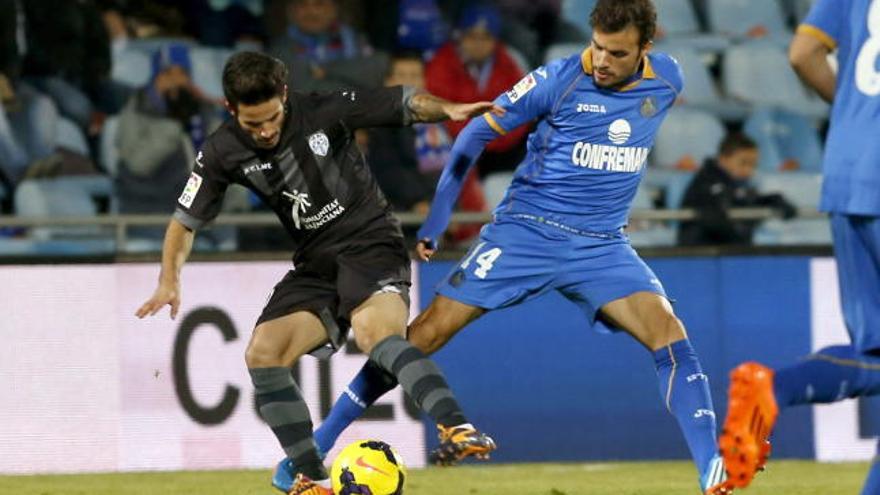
x=368 y=467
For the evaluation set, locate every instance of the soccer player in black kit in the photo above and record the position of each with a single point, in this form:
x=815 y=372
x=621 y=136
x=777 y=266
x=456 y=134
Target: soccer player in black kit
x=298 y=154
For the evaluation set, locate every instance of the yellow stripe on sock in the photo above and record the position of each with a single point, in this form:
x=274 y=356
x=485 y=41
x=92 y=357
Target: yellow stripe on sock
x=852 y=363
x=671 y=378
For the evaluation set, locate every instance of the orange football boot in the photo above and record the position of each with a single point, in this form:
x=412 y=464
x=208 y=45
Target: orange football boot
x=751 y=415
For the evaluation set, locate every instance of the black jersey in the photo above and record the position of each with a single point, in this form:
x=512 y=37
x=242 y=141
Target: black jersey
x=316 y=179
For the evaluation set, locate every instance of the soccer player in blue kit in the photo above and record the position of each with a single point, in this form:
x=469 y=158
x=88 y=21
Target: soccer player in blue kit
x=851 y=194
x=560 y=225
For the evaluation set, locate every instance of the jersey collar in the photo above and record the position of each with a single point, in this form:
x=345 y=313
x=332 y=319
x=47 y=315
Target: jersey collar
x=645 y=72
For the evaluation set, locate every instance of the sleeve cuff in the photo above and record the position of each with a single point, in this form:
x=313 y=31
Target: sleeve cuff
x=494 y=124
x=408 y=93
x=817 y=33
x=188 y=220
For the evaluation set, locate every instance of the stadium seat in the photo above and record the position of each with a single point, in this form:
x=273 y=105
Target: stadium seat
x=131 y=66
x=642 y=234
x=671 y=185
x=494 y=187
x=71 y=196
x=577 y=13
x=774 y=85
x=679 y=26
x=782 y=136
x=71 y=137
x=562 y=50
x=748 y=19
x=208 y=68
x=700 y=89
x=687 y=132
x=109 y=152
x=804 y=191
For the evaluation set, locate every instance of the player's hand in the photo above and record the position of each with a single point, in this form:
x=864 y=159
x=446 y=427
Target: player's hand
x=424 y=249
x=165 y=294
x=464 y=111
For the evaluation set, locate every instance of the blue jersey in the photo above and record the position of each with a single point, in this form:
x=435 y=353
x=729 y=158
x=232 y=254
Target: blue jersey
x=852 y=151
x=587 y=154
x=590 y=147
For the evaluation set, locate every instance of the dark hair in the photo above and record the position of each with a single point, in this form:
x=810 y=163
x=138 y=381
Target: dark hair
x=734 y=142
x=403 y=56
x=252 y=78
x=612 y=16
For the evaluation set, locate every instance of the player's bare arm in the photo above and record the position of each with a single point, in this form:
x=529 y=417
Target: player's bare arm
x=175 y=251
x=809 y=58
x=426 y=107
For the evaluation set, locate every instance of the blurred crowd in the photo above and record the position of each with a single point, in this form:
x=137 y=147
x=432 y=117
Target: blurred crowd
x=104 y=103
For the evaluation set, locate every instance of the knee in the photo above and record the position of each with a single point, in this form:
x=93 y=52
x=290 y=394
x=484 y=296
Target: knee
x=368 y=332
x=259 y=354
x=666 y=330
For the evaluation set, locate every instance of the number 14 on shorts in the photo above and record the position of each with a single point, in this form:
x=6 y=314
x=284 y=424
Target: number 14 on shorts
x=484 y=260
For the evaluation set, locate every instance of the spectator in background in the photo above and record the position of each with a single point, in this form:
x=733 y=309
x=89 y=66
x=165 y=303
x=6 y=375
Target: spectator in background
x=723 y=183
x=27 y=118
x=476 y=66
x=323 y=53
x=159 y=129
x=407 y=161
x=67 y=57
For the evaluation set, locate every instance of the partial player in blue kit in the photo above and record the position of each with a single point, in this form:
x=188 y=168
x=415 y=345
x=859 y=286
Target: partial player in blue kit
x=851 y=195
x=560 y=225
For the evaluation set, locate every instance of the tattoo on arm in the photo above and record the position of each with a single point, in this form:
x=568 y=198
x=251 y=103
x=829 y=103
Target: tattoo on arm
x=425 y=107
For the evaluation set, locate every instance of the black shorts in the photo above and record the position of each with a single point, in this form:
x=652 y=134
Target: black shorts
x=331 y=284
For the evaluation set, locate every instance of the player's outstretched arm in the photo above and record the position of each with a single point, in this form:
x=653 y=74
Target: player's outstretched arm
x=467 y=148
x=175 y=251
x=425 y=107
x=809 y=58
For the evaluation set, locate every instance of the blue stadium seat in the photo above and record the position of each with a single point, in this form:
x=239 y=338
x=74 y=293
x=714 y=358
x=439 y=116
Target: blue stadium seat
x=804 y=191
x=679 y=25
x=577 y=13
x=562 y=50
x=61 y=197
x=131 y=66
x=784 y=135
x=687 y=131
x=671 y=184
x=494 y=187
x=700 y=89
x=648 y=233
x=208 y=68
x=758 y=73
x=735 y=18
x=70 y=136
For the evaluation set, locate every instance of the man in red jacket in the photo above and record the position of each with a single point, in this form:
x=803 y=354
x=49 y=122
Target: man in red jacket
x=477 y=66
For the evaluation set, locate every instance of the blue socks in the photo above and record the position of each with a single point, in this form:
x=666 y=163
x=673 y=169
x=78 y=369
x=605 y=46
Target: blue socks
x=685 y=391
x=371 y=383
x=872 y=484
x=832 y=374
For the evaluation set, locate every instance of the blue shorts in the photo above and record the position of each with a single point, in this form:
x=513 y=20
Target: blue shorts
x=516 y=260
x=857 y=251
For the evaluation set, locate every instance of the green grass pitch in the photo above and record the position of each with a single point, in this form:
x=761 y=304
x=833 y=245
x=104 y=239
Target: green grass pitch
x=653 y=478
